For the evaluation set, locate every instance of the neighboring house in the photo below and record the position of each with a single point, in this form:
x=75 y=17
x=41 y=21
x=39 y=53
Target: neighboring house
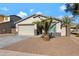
x=14 y=19
x=74 y=29
x=8 y=23
x=26 y=26
x=5 y=26
x=4 y=18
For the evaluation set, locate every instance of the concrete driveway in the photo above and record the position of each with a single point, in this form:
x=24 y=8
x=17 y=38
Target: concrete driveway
x=6 y=40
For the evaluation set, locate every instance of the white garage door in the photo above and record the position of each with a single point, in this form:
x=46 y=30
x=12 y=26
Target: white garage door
x=26 y=30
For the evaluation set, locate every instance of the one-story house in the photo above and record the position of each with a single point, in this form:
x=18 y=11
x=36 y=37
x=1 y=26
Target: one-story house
x=26 y=26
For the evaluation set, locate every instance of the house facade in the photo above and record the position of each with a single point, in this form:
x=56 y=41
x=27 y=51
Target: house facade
x=14 y=19
x=4 y=18
x=7 y=23
x=5 y=26
x=26 y=26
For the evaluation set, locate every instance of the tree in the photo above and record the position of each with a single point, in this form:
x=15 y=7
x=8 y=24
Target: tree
x=38 y=27
x=73 y=8
x=67 y=23
x=45 y=25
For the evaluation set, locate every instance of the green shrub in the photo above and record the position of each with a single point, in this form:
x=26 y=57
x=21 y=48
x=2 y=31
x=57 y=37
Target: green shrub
x=77 y=34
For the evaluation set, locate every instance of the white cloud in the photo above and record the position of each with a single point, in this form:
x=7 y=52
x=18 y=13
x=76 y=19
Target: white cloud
x=4 y=8
x=60 y=17
x=31 y=10
x=22 y=14
x=70 y=15
x=39 y=12
x=63 y=7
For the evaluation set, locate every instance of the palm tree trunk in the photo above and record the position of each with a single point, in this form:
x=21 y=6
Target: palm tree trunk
x=46 y=36
x=68 y=30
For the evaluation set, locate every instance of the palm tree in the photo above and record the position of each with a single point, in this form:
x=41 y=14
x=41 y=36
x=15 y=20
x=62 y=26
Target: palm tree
x=67 y=23
x=38 y=26
x=45 y=25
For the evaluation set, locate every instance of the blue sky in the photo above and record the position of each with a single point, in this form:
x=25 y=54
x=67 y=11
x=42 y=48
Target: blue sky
x=51 y=9
x=26 y=9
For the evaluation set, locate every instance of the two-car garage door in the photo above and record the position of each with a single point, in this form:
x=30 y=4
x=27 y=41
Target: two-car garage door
x=24 y=29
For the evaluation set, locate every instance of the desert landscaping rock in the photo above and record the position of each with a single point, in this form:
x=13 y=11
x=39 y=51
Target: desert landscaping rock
x=59 y=46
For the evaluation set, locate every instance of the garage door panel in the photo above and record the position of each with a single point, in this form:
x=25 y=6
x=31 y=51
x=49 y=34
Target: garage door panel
x=26 y=30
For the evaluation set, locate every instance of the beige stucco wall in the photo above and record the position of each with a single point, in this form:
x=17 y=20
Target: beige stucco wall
x=58 y=27
x=63 y=31
x=31 y=20
x=17 y=27
x=6 y=18
x=1 y=19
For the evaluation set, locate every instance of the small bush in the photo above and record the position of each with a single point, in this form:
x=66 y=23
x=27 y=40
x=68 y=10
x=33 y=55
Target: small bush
x=77 y=34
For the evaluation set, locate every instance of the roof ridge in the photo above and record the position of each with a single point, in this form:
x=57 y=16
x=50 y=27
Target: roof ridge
x=36 y=15
x=30 y=16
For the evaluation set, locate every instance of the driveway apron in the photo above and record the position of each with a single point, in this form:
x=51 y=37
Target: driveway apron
x=8 y=40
